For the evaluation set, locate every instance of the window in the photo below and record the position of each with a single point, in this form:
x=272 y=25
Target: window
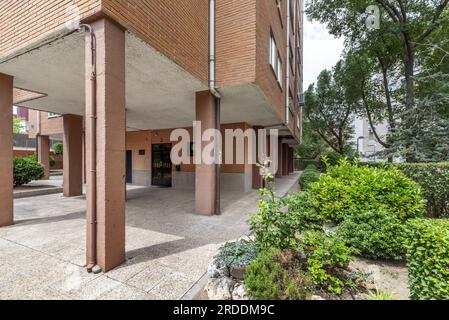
x=52 y=115
x=279 y=70
x=273 y=51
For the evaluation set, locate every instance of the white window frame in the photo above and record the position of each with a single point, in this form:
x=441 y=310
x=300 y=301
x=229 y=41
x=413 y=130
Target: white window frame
x=279 y=72
x=273 y=52
x=52 y=115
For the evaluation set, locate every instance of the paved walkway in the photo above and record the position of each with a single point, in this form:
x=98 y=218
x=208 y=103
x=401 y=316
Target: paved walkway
x=168 y=246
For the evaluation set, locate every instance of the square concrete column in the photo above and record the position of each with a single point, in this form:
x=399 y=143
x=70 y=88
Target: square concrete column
x=73 y=155
x=292 y=160
x=6 y=151
x=108 y=143
x=43 y=154
x=206 y=182
x=285 y=159
x=280 y=159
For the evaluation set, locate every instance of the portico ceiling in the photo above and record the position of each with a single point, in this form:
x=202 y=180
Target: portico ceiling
x=159 y=93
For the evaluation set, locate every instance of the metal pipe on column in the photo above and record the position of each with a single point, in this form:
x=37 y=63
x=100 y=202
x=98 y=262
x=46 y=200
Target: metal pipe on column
x=92 y=174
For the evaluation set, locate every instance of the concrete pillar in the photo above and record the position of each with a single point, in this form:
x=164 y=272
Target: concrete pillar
x=73 y=155
x=43 y=155
x=280 y=159
x=285 y=161
x=110 y=142
x=206 y=176
x=292 y=160
x=6 y=151
x=257 y=178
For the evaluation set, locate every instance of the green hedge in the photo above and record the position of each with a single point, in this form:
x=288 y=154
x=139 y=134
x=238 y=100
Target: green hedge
x=309 y=176
x=434 y=181
x=302 y=164
x=428 y=259
x=349 y=188
x=27 y=170
x=376 y=234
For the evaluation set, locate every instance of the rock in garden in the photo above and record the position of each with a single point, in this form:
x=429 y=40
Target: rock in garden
x=220 y=289
x=238 y=273
x=217 y=270
x=239 y=292
x=317 y=298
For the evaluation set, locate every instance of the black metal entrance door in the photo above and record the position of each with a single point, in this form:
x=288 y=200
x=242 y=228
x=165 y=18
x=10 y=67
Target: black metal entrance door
x=129 y=166
x=162 y=165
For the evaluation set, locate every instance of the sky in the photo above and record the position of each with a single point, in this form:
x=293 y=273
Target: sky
x=321 y=51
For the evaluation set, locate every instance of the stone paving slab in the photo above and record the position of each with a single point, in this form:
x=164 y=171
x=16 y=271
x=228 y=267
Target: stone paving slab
x=168 y=246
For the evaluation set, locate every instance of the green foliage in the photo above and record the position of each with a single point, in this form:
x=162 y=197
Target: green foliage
x=302 y=164
x=309 y=176
x=380 y=295
x=238 y=254
x=277 y=275
x=349 y=188
x=377 y=234
x=274 y=225
x=58 y=148
x=27 y=170
x=324 y=254
x=428 y=259
x=303 y=213
x=434 y=181
x=52 y=161
x=18 y=125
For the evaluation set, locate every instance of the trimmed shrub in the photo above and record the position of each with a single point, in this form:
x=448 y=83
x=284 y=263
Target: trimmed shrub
x=309 y=176
x=349 y=188
x=302 y=164
x=304 y=214
x=377 y=234
x=238 y=254
x=428 y=259
x=58 y=148
x=277 y=275
x=27 y=170
x=434 y=181
x=324 y=254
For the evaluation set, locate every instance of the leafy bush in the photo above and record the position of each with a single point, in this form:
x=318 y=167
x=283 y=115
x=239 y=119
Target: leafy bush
x=274 y=225
x=377 y=234
x=434 y=181
x=304 y=214
x=277 y=275
x=58 y=148
x=309 y=176
x=349 y=188
x=428 y=259
x=52 y=161
x=27 y=170
x=238 y=254
x=325 y=254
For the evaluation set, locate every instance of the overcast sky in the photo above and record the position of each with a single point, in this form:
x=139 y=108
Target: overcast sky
x=321 y=51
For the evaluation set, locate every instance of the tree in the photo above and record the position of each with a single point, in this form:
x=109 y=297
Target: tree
x=18 y=125
x=329 y=106
x=408 y=28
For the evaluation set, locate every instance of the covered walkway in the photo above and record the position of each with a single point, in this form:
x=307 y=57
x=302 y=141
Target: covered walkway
x=168 y=246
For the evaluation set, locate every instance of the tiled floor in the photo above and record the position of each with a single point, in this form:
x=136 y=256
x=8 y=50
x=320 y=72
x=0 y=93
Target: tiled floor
x=168 y=246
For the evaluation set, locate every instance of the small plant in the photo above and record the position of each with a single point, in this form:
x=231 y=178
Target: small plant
x=27 y=170
x=277 y=275
x=58 y=148
x=380 y=295
x=428 y=259
x=238 y=254
x=377 y=234
x=325 y=255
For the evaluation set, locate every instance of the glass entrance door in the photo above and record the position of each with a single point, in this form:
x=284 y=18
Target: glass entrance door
x=162 y=165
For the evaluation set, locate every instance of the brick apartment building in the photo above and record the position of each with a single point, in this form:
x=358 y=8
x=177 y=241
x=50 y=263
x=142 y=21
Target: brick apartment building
x=136 y=72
